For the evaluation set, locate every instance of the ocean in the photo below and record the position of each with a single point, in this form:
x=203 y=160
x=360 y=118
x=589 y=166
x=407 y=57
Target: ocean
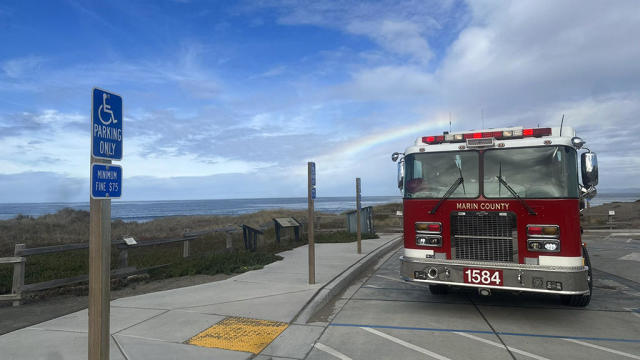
x=149 y=210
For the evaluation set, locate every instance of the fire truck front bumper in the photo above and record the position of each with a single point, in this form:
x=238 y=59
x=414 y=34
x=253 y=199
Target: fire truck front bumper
x=564 y=280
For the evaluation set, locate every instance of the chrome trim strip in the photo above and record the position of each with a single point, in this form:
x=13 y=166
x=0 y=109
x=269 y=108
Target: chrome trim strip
x=509 y=288
x=488 y=264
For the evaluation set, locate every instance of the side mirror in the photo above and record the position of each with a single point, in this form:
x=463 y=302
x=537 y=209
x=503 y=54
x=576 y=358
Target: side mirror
x=589 y=167
x=400 y=174
x=395 y=156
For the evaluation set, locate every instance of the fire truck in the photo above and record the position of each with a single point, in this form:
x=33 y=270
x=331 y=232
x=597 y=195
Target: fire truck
x=498 y=209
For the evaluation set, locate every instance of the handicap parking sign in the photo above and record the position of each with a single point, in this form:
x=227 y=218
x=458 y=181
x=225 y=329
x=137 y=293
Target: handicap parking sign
x=106 y=125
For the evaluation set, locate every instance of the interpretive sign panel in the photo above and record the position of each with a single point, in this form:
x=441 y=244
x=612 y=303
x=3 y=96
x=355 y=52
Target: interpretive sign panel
x=287 y=222
x=106 y=181
x=106 y=125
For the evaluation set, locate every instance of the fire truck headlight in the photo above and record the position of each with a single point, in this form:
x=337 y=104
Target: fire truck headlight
x=535 y=245
x=543 y=245
x=551 y=246
x=428 y=240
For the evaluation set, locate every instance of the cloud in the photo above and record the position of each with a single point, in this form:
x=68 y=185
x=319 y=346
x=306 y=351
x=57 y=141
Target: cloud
x=528 y=54
x=20 y=67
x=388 y=84
x=181 y=75
x=275 y=71
x=398 y=37
x=398 y=27
x=218 y=130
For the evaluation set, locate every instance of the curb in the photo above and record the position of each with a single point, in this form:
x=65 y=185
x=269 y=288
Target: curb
x=334 y=287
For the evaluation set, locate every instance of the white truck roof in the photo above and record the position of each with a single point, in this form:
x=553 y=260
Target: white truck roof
x=554 y=139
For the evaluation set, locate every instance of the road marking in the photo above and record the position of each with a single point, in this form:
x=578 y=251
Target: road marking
x=635 y=256
x=604 y=349
x=405 y=344
x=372 y=286
x=518 y=351
x=399 y=280
x=466 y=331
x=331 y=351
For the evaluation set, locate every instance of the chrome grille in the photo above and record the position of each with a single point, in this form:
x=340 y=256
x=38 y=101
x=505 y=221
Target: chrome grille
x=484 y=236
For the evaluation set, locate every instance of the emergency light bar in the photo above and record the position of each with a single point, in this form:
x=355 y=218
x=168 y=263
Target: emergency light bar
x=498 y=135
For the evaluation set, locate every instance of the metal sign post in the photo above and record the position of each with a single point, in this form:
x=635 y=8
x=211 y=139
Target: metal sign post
x=311 y=195
x=106 y=183
x=359 y=226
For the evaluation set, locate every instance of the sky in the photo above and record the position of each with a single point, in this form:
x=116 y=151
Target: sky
x=227 y=99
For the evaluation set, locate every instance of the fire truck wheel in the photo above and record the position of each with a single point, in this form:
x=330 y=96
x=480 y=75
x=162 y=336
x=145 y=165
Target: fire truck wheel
x=581 y=300
x=438 y=289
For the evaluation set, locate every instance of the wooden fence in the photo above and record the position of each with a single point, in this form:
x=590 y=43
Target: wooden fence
x=603 y=221
x=21 y=252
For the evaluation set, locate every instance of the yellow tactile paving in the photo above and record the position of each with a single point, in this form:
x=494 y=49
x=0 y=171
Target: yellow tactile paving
x=239 y=334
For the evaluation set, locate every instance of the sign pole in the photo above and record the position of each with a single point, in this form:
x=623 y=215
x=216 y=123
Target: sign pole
x=359 y=236
x=99 y=275
x=310 y=196
x=105 y=184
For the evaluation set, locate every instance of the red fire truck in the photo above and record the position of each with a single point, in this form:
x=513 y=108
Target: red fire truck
x=498 y=209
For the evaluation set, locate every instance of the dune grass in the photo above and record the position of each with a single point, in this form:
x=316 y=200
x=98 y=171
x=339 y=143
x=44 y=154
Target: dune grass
x=208 y=253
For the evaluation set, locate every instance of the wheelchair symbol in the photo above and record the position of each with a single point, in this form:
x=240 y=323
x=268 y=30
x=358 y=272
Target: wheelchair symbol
x=107 y=109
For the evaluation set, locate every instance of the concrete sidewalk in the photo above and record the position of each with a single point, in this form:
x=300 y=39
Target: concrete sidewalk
x=158 y=325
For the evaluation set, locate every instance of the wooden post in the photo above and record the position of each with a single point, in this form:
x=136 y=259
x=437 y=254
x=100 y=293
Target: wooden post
x=124 y=258
x=229 y=242
x=99 y=276
x=185 y=248
x=18 y=274
x=277 y=229
x=359 y=226
x=312 y=254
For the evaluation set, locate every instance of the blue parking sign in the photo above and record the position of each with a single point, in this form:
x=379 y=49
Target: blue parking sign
x=106 y=125
x=106 y=181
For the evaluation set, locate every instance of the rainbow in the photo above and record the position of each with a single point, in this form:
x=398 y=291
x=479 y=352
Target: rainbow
x=414 y=130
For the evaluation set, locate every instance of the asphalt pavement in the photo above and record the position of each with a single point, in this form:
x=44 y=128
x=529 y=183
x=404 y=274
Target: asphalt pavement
x=360 y=309
x=383 y=317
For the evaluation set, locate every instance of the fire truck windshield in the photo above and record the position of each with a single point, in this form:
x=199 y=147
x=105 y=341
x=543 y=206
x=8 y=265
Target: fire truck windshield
x=533 y=173
x=430 y=175
x=540 y=172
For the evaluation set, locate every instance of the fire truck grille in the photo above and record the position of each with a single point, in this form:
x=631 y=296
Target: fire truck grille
x=484 y=236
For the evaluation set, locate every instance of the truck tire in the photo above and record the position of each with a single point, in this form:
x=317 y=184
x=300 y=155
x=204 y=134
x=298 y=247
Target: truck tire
x=581 y=300
x=438 y=289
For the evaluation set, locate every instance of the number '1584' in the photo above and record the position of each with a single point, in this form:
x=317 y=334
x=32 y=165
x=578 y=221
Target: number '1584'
x=483 y=276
